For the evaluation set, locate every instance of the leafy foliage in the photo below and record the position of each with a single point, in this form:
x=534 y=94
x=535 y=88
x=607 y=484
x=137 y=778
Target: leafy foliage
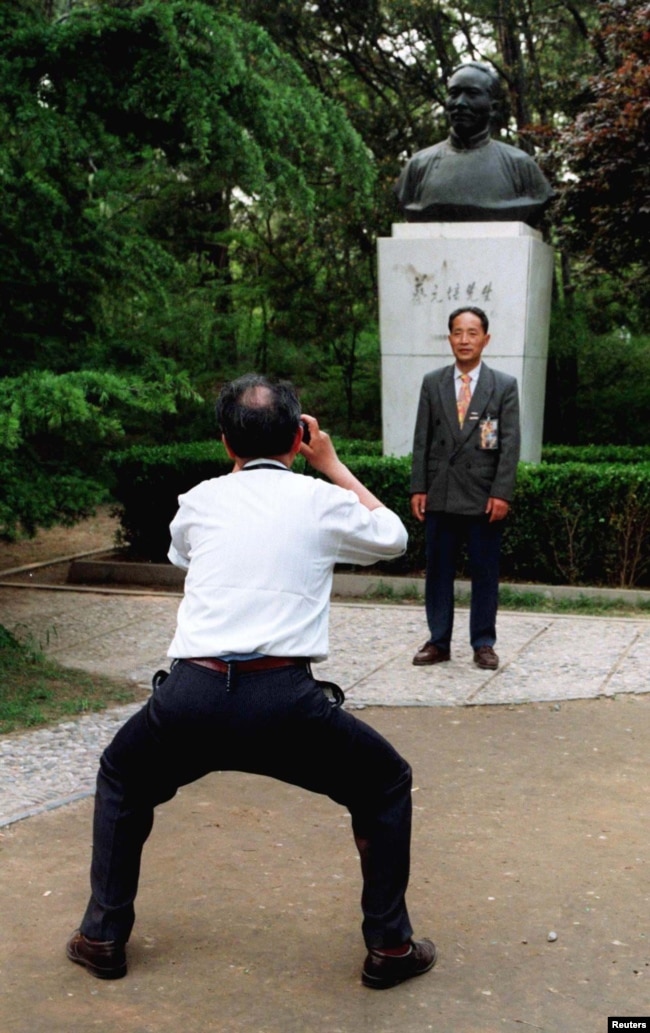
x=127 y=129
x=54 y=432
x=388 y=63
x=576 y=523
x=112 y=115
x=618 y=455
x=572 y=522
x=607 y=150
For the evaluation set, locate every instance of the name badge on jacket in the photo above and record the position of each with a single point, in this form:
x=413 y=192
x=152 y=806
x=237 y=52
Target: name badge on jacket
x=488 y=434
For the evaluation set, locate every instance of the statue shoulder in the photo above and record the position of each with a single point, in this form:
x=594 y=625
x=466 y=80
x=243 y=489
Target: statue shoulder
x=525 y=170
x=512 y=153
x=424 y=156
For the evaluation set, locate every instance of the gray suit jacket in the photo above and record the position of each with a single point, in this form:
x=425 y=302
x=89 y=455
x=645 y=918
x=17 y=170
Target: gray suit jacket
x=452 y=465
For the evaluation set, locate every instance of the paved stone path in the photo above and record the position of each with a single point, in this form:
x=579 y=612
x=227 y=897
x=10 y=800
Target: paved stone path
x=544 y=657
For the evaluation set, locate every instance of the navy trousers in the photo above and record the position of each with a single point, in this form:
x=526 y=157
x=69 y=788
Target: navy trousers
x=277 y=723
x=444 y=535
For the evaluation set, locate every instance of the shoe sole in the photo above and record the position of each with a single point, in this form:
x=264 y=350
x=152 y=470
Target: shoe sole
x=99 y=973
x=429 y=663
x=377 y=983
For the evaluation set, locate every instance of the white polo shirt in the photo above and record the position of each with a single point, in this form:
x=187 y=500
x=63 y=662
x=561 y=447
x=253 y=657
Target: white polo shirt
x=259 y=547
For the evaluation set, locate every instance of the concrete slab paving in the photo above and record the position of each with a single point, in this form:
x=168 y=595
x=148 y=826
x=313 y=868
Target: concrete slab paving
x=543 y=657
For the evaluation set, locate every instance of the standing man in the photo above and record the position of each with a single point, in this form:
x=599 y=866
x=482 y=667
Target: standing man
x=465 y=455
x=259 y=546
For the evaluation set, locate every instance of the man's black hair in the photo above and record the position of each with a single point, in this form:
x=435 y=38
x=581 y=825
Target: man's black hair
x=258 y=417
x=475 y=310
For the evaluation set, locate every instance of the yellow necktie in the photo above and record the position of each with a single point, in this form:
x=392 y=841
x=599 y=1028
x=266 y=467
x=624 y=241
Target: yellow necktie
x=464 y=397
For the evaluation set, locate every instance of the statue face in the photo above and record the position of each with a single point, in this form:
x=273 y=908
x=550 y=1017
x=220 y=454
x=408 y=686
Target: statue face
x=469 y=102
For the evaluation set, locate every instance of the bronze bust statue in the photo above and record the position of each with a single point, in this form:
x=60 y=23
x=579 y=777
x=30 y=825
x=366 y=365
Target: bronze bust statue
x=470 y=177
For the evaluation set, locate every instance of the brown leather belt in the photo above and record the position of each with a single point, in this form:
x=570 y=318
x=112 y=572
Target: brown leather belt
x=263 y=663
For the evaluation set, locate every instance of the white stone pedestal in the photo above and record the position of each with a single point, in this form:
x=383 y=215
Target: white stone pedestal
x=426 y=270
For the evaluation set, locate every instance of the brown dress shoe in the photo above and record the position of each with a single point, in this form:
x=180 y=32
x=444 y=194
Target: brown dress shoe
x=381 y=971
x=485 y=657
x=105 y=959
x=430 y=654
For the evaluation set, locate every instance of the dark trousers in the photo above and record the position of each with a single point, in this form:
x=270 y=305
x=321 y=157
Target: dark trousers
x=278 y=723
x=445 y=533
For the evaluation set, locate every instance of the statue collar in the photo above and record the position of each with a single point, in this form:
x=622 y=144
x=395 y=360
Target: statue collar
x=479 y=140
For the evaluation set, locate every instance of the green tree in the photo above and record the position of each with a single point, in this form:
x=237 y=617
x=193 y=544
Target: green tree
x=55 y=429
x=599 y=355
x=606 y=152
x=307 y=293
x=112 y=117
x=127 y=129
x=388 y=63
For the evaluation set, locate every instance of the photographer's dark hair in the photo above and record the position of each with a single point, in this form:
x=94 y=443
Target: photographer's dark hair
x=258 y=416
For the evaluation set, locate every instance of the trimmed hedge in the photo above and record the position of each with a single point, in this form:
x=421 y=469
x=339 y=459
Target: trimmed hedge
x=147 y=483
x=580 y=524
x=596 y=454
x=577 y=523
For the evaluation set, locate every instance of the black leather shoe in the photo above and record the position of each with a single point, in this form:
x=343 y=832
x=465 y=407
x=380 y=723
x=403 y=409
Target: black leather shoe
x=430 y=654
x=105 y=959
x=485 y=657
x=381 y=971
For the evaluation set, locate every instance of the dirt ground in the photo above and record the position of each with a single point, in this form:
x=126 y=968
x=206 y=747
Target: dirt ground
x=529 y=820
x=97 y=532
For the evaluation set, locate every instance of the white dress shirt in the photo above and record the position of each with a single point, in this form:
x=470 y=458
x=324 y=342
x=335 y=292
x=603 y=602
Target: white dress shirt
x=259 y=547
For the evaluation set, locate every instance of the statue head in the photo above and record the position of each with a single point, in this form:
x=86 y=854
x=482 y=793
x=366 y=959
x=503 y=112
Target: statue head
x=473 y=97
x=470 y=177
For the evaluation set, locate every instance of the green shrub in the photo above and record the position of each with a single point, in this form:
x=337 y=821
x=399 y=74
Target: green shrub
x=585 y=523
x=147 y=483
x=34 y=496
x=346 y=447
x=388 y=477
x=580 y=523
x=596 y=454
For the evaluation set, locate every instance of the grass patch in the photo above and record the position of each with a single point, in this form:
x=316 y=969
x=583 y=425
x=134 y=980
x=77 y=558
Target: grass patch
x=590 y=606
x=510 y=598
x=387 y=593
x=36 y=691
